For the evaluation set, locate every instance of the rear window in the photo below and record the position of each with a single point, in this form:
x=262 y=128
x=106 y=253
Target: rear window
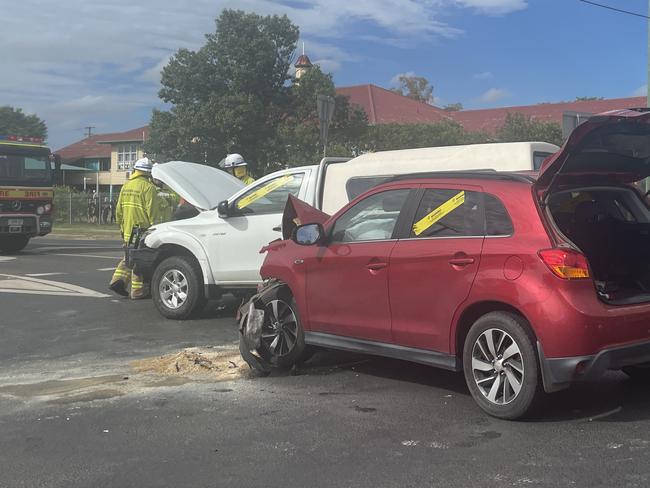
x=356 y=186
x=497 y=220
x=538 y=159
x=448 y=213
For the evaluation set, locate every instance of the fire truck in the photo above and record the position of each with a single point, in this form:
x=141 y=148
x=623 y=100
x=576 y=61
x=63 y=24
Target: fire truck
x=26 y=191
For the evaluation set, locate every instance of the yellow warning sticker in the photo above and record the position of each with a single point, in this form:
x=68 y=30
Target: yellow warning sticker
x=265 y=190
x=434 y=216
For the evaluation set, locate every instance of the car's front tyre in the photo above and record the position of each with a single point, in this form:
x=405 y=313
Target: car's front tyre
x=177 y=287
x=501 y=366
x=283 y=338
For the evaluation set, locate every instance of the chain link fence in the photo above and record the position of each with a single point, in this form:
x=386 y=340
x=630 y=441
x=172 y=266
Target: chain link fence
x=99 y=208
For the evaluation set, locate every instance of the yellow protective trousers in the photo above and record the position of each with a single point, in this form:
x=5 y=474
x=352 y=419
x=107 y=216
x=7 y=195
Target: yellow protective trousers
x=125 y=278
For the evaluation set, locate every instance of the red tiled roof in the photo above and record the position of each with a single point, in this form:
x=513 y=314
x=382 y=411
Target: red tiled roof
x=489 y=120
x=98 y=145
x=385 y=107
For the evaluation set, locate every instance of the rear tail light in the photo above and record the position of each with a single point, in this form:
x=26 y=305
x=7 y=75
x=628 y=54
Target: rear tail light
x=565 y=263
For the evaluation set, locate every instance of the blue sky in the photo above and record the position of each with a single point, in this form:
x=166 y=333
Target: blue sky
x=96 y=62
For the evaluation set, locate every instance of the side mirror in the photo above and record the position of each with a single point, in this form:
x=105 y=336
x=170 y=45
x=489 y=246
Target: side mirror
x=223 y=209
x=308 y=234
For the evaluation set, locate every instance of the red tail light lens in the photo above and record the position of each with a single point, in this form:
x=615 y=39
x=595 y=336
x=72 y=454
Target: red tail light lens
x=566 y=263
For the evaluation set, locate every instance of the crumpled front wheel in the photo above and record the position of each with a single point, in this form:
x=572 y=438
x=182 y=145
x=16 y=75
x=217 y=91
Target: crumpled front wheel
x=283 y=338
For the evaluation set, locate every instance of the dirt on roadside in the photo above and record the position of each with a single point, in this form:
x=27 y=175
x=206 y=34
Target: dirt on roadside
x=213 y=363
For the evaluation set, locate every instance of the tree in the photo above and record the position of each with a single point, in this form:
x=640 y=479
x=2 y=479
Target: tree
x=415 y=87
x=229 y=95
x=517 y=127
x=14 y=121
x=298 y=139
x=453 y=107
x=406 y=136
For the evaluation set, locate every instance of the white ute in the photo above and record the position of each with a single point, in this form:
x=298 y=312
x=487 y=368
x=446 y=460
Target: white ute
x=188 y=261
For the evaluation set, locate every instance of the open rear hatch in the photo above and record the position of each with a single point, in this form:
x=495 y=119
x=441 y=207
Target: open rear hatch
x=594 y=191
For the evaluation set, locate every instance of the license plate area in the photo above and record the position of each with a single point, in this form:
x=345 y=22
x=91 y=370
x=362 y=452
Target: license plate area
x=15 y=229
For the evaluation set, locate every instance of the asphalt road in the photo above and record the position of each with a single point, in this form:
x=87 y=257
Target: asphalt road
x=70 y=418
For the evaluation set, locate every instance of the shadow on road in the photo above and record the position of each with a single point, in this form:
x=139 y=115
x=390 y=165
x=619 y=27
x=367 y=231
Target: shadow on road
x=613 y=399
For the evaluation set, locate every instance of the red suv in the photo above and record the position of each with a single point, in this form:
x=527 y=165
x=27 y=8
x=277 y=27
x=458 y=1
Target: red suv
x=525 y=283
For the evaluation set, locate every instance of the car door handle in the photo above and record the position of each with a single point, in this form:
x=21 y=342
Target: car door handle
x=461 y=261
x=278 y=228
x=376 y=266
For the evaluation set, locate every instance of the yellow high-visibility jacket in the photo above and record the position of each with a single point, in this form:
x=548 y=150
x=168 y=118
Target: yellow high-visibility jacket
x=137 y=204
x=247 y=180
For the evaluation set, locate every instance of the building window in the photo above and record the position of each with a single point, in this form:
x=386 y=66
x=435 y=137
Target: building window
x=126 y=156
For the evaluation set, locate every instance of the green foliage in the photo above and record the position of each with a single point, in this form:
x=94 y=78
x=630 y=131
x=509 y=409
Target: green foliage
x=415 y=87
x=297 y=140
x=405 y=136
x=67 y=199
x=14 y=122
x=517 y=127
x=588 y=99
x=228 y=95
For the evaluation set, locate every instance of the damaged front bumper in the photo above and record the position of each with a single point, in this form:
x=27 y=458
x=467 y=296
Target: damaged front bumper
x=251 y=319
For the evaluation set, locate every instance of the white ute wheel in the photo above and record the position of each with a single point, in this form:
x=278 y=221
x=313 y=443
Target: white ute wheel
x=177 y=287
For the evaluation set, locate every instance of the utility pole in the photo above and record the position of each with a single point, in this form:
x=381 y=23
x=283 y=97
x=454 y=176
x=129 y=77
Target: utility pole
x=89 y=130
x=648 y=80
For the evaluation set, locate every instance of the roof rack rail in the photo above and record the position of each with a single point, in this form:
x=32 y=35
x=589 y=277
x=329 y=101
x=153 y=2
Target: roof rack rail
x=486 y=174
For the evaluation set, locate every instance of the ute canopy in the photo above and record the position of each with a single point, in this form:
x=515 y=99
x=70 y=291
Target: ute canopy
x=200 y=185
x=613 y=147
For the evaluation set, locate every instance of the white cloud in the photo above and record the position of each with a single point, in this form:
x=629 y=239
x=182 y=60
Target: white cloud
x=642 y=91
x=329 y=65
x=103 y=68
x=485 y=75
x=494 y=7
x=493 y=95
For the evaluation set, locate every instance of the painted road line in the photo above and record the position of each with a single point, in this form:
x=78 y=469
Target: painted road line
x=112 y=268
x=114 y=258
x=36 y=275
x=6 y=258
x=35 y=286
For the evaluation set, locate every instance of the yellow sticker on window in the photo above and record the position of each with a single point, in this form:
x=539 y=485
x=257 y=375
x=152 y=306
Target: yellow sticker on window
x=432 y=217
x=265 y=190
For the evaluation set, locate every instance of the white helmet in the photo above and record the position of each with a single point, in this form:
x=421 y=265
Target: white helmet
x=232 y=160
x=144 y=165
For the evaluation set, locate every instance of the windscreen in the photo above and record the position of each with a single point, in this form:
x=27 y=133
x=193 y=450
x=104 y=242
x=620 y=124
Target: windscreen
x=20 y=167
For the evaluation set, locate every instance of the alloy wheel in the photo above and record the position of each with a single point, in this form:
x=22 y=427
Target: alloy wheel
x=280 y=329
x=497 y=366
x=173 y=289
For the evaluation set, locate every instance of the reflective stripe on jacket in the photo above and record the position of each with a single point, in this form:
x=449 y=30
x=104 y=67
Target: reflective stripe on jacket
x=137 y=204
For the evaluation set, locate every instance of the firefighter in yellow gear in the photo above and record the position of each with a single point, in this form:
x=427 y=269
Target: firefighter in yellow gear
x=137 y=206
x=237 y=166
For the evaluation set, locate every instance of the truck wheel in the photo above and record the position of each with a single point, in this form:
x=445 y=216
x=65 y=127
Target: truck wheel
x=177 y=287
x=501 y=366
x=283 y=338
x=11 y=244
